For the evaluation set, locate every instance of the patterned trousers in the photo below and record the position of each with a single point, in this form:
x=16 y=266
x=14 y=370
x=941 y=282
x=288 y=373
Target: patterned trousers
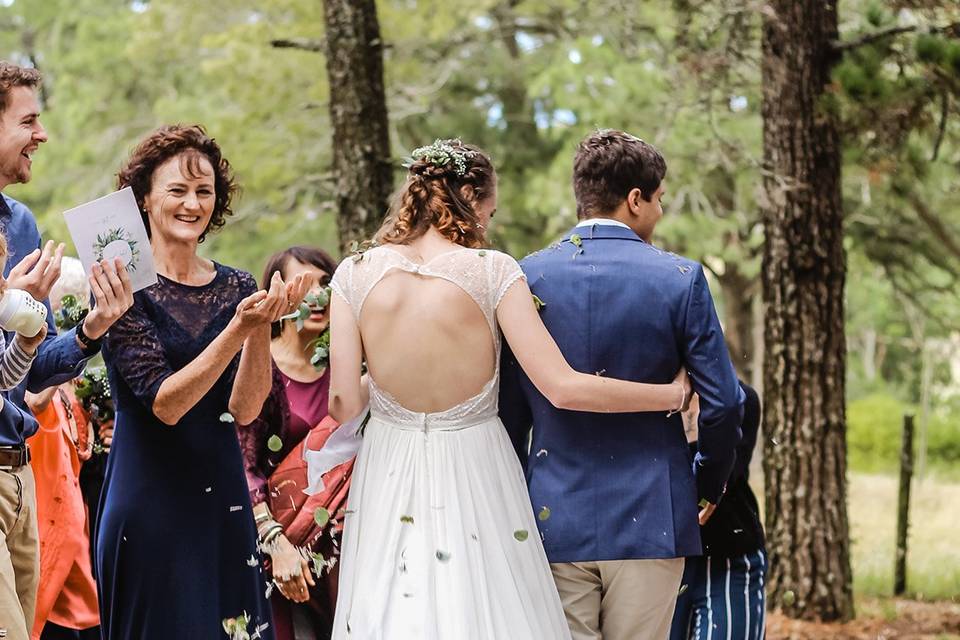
x=721 y=599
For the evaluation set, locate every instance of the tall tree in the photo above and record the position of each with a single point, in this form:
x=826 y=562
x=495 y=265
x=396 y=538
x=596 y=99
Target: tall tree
x=804 y=268
x=358 y=113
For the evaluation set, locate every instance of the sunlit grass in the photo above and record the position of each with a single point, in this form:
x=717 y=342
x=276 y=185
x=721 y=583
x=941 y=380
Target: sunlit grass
x=933 y=556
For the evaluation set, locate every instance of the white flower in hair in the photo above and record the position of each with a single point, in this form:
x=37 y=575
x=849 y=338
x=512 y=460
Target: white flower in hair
x=441 y=154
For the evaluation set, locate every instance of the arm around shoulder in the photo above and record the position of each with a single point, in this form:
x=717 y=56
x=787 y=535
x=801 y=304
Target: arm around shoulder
x=538 y=354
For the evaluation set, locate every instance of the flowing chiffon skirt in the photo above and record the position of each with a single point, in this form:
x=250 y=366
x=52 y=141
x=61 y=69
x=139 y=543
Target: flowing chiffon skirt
x=440 y=541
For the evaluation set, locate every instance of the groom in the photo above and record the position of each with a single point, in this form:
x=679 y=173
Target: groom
x=617 y=494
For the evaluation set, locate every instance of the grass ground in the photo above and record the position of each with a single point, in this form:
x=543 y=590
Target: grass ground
x=933 y=556
x=931 y=610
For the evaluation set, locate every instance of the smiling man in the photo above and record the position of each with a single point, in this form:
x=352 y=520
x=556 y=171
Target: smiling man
x=59 y=358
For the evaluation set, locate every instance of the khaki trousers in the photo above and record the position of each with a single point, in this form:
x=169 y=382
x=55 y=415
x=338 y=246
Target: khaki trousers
x=19 y=552
x=619 y=599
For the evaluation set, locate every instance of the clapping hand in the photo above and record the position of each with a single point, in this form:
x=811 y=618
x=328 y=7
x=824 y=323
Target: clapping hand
x=37 y=271
x=265 y=307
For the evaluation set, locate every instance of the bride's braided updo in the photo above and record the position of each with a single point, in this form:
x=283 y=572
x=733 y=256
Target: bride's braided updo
x=445 y=183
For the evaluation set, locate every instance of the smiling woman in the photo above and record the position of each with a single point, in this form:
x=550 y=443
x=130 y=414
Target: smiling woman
x=190 y=358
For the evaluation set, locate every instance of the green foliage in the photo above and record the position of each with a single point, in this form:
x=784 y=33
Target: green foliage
x=874 y=425
x=875 y=431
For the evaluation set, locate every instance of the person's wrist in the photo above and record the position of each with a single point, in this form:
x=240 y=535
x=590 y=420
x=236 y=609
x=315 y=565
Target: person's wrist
x=89 y=337
x=91 y=327
x=682 y=399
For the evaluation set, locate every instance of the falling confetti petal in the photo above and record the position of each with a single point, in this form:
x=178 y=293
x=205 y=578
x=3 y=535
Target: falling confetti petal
x=226 y=417
x=321 y=516
x=544 y=513
x=274 y=443
x=683 y=588
x=443 y=556
x=406 y=519
x=542 y=452
x=521 y=535
x=252 y=561
x=789 y=597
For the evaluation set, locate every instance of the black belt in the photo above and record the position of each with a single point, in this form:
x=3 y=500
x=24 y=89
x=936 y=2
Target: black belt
x=14 y=457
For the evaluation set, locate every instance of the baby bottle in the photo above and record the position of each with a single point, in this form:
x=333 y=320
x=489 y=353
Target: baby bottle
x=21 y=313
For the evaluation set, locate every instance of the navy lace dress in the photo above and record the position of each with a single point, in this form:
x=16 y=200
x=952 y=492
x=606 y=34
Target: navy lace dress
x=177 y=548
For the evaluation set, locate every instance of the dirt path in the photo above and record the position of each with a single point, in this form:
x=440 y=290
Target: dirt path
x=879 y=620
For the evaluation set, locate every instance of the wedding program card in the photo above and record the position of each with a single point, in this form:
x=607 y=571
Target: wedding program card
x=111 y=227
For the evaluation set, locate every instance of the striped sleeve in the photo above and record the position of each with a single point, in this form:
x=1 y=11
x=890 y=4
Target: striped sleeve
x=15 y=365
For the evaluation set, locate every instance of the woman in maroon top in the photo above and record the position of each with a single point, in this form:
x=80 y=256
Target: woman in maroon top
x=297 y=403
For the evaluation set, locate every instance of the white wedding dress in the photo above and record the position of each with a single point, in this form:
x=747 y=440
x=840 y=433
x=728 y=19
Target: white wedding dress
x=440 y=540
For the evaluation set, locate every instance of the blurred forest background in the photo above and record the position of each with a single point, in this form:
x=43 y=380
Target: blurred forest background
x=526 y=80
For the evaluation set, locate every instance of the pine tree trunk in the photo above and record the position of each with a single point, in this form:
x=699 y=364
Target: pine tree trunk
x=738 y=291
x=358 y=113
x=803 y=273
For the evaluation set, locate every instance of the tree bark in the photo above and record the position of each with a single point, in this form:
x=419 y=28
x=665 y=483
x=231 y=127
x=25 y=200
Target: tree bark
x=804 y=268
x=358 y=113
x=738 y=318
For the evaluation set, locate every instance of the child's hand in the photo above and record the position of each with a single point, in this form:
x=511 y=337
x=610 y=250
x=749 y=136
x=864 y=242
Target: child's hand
x=30 y=344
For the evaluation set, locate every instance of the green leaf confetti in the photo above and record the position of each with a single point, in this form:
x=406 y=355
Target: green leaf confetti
x=544 y=514
x=321 y=516
x=274 y=443
x=521 y=535
x=226 y=417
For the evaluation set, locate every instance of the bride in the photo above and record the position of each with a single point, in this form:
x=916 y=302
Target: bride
x=440 y=539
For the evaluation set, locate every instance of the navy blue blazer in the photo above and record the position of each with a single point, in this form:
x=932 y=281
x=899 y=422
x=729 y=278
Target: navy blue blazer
x=623 y=486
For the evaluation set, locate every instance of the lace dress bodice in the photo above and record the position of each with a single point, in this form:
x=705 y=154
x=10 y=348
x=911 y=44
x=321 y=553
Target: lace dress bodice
x=483 y=274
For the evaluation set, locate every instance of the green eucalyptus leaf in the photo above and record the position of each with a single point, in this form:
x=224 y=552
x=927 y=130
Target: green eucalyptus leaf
x=521 y=535
x=544 y=514
x=274 y=443
x=226 y=416
x=321 y=516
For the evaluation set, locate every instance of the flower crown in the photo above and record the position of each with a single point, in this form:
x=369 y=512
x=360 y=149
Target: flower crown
x=441 y=154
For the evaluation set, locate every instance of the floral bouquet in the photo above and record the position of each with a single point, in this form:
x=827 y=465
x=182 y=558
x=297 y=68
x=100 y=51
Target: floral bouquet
x=70 y=314
x=93 y=391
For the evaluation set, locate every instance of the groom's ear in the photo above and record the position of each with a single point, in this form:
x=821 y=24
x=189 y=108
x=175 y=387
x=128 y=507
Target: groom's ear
x=635 y=201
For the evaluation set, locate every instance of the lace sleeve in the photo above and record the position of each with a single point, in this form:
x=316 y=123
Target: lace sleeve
x=258 y=461
x=503 y=274
x=136 y=351
x=342 y=281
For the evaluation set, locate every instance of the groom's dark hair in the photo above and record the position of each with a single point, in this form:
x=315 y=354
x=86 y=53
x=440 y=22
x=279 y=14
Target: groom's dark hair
x=608 y=164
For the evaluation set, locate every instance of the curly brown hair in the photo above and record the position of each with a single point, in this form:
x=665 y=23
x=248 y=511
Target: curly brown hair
x=433 y=196
x=11 y=76
x=192 y=143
